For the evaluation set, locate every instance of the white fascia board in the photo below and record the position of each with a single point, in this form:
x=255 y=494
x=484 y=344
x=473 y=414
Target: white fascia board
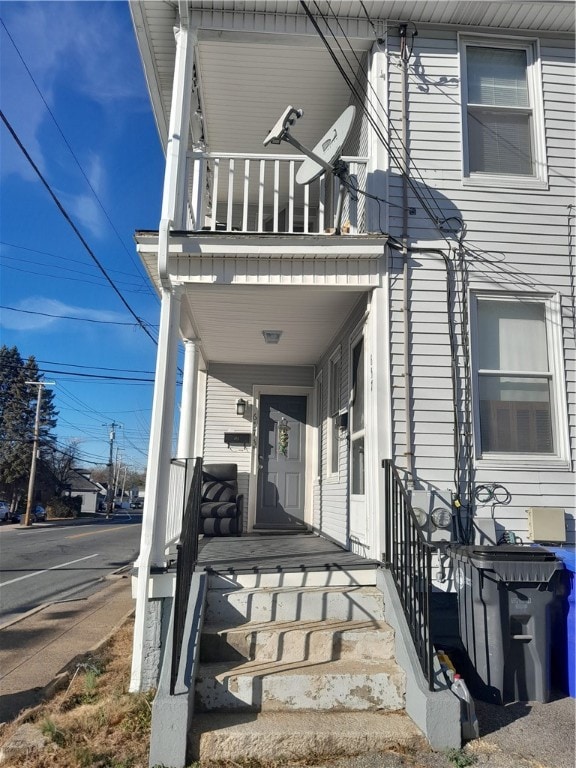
x=141 y=30
x=326 y=246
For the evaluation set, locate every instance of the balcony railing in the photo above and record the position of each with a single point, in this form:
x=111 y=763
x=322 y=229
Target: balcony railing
x=258 y=193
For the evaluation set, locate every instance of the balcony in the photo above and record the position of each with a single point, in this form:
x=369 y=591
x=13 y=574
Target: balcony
x=253 y=193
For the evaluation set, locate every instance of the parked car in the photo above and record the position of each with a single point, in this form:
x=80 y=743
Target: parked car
x=38 y=514
x=4 y=511
x=137 y=504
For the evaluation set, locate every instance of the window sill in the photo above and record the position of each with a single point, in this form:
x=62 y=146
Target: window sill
x=504 y=182
x=521 y=462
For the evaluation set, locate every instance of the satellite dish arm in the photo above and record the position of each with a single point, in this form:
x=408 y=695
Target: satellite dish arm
x=295 y=143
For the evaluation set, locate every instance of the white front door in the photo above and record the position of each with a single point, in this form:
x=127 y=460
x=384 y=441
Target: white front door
x=357 y=427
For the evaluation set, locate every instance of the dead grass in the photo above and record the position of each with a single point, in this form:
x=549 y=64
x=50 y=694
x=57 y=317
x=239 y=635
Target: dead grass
x=94 y=722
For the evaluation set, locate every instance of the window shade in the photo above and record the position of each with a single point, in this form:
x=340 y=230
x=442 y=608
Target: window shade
x=497 y=77
x=500 y=142
x=512 y=336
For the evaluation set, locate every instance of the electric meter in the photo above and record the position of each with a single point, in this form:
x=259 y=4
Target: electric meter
x=421 y=516
x=441 y=517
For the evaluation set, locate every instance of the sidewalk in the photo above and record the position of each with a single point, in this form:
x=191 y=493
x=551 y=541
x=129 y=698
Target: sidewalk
x=34 y=649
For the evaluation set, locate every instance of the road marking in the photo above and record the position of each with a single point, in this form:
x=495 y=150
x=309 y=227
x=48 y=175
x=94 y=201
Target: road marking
x=91 y=533
x=54 y=568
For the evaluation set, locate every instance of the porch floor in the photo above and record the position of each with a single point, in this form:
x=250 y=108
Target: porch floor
x=261 y=553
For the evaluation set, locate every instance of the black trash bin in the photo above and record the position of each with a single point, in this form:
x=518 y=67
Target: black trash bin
x=505 y=596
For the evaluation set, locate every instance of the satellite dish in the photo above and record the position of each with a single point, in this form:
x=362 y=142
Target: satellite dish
x=325 y=155
x=328 y=148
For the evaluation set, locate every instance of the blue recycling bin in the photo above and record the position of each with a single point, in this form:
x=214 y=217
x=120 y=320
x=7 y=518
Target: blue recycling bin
x=563 y=662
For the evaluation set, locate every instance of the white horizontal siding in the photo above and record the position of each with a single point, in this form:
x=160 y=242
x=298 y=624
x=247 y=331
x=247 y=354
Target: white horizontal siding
x=517 y=240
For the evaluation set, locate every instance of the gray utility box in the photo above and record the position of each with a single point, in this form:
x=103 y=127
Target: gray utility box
x=505 y=595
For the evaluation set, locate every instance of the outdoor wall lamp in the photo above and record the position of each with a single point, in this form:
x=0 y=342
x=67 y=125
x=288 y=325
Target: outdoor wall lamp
x=241 y=406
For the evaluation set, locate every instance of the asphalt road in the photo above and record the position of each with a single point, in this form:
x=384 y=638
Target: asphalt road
x=53 y=561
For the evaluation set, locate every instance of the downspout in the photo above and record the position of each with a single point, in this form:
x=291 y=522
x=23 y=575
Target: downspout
x=409 y=454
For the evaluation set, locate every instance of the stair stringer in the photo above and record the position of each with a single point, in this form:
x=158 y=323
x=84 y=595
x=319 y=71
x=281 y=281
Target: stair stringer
x=172 y=713
x=436 y=713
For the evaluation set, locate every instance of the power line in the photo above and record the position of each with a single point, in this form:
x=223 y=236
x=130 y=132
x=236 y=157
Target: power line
x=64 y=213
x=96 y=376
x=60 y=276
x=67 y=259
x=69 y=317
x=99 y=367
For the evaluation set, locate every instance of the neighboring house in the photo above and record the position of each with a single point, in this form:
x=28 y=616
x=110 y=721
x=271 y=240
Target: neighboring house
x=79 y=484
x=436 y=330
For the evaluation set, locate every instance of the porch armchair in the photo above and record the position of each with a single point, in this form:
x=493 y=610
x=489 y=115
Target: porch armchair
x=221 y=504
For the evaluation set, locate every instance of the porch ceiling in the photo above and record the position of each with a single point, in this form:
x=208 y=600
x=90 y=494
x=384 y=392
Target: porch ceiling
x=247 y=86
x=229 y=320
x=250 y=69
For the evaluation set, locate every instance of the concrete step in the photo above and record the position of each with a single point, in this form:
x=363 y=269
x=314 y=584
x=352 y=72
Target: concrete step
x=273 y=686
x=327 y=577
x=279 y=737
x=233 y=607
x=297 y=641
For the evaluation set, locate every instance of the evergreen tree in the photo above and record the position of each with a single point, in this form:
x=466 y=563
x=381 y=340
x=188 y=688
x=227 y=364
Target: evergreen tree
x=17 y=416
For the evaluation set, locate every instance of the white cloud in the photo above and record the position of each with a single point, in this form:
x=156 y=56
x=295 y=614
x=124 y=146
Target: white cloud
x=85 y=212
x=73 y=47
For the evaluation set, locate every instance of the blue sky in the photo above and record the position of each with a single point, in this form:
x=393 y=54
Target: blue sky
x=102 y=158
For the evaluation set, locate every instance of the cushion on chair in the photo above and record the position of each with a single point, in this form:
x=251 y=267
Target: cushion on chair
x=218 y=509
x=218 y=490
x=221 y=506
x=220 y=526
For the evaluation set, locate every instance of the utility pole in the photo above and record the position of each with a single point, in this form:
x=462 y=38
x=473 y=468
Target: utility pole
x=40 y=384
x=110 y=490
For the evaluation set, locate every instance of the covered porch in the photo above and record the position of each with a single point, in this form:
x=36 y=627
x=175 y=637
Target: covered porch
x=272 y=553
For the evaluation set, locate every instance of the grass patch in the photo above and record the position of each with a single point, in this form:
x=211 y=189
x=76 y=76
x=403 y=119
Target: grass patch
x=95 y=722
x=461 y=759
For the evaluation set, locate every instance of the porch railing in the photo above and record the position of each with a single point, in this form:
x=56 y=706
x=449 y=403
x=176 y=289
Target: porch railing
x=187 y=549
x=258 y=193
x=408 y=556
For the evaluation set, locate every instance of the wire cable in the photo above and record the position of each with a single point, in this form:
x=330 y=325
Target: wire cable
x=69 y=317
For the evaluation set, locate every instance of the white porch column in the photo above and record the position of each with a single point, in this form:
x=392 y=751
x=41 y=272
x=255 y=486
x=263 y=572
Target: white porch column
x=187 y=427
x=147 y=623
x=153 y=537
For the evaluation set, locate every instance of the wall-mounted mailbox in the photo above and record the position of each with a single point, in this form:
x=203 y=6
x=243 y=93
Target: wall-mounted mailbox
x=237 y=438
x=342 y=420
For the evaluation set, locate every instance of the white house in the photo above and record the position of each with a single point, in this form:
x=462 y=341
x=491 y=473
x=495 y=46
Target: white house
x=433 y=326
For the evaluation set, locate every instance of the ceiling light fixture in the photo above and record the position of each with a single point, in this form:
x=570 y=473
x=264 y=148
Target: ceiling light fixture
x=271 y=337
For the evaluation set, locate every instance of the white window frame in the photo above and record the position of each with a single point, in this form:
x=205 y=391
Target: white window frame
x=539 y=179
x=553 y=318
x=332 y=414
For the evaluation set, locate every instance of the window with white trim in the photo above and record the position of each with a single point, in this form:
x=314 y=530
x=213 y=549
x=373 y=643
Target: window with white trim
x=502 y=113
x=334 y=401
x=517 y=377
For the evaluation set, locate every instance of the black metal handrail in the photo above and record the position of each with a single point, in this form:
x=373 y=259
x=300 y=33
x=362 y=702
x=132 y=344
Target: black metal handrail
x=408 y=556
x=187 y=558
